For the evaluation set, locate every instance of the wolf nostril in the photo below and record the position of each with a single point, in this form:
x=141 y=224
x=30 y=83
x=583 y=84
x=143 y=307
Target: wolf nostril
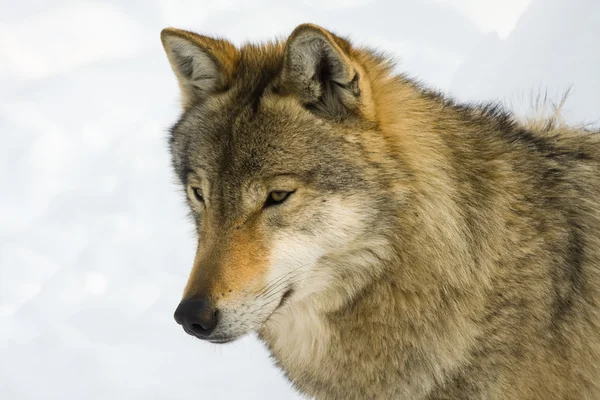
x=198 y=317
x=197 y=327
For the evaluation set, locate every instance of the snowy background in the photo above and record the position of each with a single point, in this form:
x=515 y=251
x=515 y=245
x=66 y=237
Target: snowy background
x=95 y=247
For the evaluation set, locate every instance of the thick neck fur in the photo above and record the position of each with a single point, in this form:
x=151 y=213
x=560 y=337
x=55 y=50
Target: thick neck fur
x=419 y=293
x=433 y=292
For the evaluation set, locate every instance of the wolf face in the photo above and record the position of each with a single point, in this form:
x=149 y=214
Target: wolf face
x=269 y=149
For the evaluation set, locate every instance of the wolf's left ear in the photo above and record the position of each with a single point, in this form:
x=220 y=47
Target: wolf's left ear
x=203 y=65
x=318 y=70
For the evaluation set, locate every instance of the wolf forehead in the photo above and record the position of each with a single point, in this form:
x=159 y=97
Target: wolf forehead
x=238 y=143
x=249 y=130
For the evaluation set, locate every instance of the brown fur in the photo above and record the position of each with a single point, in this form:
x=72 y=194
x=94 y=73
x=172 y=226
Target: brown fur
x=219 y=271
x=472 y=267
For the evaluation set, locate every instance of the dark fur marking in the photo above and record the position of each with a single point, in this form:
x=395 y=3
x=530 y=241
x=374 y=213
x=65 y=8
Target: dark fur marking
x=568 y=279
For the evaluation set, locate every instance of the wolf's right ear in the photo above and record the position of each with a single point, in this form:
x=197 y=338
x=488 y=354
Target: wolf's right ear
x=203 y=65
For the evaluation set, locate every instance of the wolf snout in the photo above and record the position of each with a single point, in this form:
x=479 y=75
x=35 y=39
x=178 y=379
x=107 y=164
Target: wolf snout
x=198 y=317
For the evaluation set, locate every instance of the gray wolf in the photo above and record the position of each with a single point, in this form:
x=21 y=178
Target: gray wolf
x=383 y=240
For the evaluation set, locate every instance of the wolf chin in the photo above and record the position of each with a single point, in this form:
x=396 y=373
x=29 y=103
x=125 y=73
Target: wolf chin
x=381 y=239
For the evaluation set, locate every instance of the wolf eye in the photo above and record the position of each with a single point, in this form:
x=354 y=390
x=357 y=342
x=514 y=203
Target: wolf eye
x=277 y=197
x=198 y=194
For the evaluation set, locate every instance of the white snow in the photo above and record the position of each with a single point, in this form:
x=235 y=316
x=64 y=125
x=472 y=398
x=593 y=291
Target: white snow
x=95 y=246
x=500 y=16
x=60 y=39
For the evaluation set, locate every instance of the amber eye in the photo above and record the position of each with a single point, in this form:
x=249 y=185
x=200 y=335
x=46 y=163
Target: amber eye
x=198 y=194
x=277 y=197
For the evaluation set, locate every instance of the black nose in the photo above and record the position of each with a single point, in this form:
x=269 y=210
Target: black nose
x=197 y=317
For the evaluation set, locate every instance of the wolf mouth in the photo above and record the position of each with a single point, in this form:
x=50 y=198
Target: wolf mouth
x=224 y=339
x=288 y=293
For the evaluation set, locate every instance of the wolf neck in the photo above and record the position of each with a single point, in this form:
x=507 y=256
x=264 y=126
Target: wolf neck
x=407 y=306
x=421 y=332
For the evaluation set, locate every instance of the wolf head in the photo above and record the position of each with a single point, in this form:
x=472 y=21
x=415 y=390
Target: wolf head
x=282 y=175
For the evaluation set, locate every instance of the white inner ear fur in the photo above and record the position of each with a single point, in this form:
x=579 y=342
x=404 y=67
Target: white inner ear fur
x=307 y=52
x=193 y=66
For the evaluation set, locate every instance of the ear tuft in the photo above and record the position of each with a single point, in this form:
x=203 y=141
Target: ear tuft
x=319 y=71
x=203 y=65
